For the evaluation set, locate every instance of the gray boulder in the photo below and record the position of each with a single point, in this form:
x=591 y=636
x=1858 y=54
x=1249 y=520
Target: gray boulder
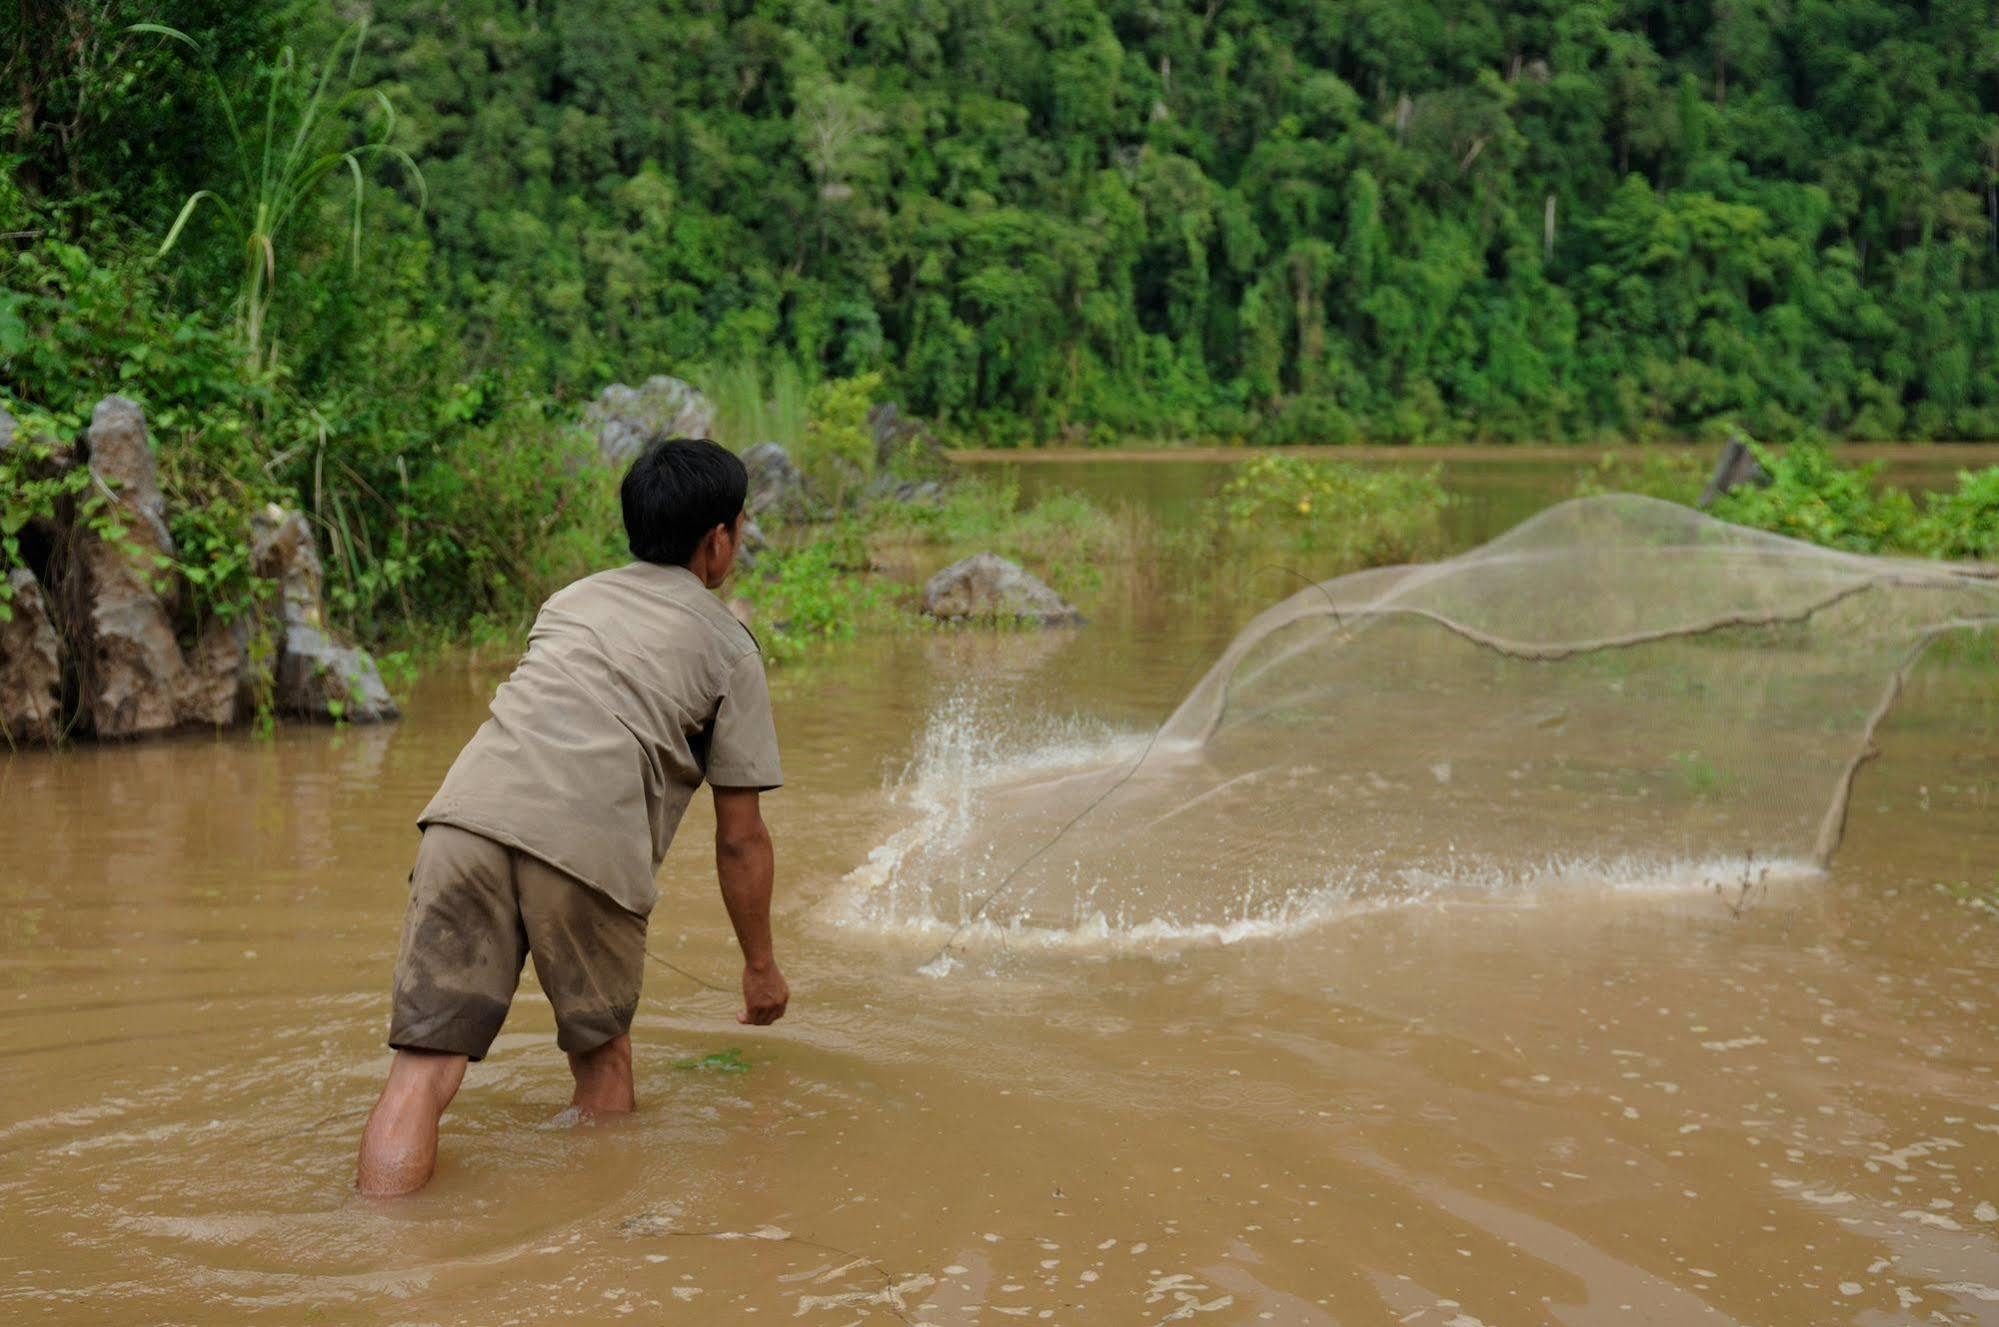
x=130 y=670
x=283 y=552
x=987 y=587
x=218 y=688
x=316 y=677
x=624 y=419
x=30 y=667
x=904 y=444
x=121 y=454
x=1737 y=466
x=777 y=486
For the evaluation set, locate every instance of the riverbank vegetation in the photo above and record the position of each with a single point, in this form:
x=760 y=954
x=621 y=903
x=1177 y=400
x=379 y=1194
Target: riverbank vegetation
x=1813 y=496
x=371 y=270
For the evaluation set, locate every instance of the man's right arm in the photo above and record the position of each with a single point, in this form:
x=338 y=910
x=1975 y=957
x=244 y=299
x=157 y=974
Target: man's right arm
x=745 y=866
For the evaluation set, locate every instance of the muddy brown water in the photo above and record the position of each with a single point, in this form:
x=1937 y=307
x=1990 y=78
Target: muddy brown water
x=1591 y=1106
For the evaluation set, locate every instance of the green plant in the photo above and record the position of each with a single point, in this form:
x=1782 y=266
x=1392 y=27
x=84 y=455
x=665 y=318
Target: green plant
x=41 y=485
x=838 y=454
x=1698 y=775
x=1811 y=496
x=1673 y=473
x=1962 y=522
x=729 y=1061
x=1364 y=517
x=809 y=593
x=281 y=165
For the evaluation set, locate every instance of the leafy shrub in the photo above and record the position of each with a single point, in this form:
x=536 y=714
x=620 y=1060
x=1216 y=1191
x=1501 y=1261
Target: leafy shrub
x=1673 y=473
x=809 y=593
x=1811 y=496
x=1364 y=517
x=1963 y=523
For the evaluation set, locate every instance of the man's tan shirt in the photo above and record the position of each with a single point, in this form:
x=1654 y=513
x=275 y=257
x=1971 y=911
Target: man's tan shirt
x=637 y=684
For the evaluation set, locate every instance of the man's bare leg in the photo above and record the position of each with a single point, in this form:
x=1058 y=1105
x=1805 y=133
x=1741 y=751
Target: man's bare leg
x=399 y=1144
x=604 y=1078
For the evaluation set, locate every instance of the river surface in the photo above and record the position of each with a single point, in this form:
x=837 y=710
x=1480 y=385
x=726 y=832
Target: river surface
x=1663 y=1104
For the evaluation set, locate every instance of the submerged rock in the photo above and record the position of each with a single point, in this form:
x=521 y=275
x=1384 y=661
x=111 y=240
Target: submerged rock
x=624 y=419
x=777 y=486
x=30 y=666
x=987 y=587
x=316 y=677
x=130 y=667
x=1738 y=466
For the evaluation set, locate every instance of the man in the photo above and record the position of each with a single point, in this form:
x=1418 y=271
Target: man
x=637 y=686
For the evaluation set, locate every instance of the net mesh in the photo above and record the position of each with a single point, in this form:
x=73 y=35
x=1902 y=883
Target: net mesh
x=1619 y=687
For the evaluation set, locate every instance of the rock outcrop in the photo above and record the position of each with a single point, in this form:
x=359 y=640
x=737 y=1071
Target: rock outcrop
x=317 y=678
x=987 y=587
x=777 y=486
x=624 y=419
x=93 y=643
x=904 y=444
x=30 y=666
x=1737 y=466
x=116 y=597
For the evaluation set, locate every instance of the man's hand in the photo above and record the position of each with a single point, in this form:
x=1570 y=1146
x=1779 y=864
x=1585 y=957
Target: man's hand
x=743 y=864
x=764 y=996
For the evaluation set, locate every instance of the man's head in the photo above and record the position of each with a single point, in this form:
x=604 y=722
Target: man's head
x=683 y=504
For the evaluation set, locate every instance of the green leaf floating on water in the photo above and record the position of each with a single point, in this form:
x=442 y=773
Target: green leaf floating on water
x=728 y=1061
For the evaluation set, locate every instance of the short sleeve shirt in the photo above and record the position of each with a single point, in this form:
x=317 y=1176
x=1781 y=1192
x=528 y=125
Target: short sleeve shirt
x=637 y=686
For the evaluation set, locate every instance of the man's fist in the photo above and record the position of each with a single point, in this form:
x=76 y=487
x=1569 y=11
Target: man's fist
x=764 y=996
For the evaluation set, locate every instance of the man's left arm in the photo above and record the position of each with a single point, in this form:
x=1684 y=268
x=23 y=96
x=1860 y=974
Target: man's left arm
x=743 y=764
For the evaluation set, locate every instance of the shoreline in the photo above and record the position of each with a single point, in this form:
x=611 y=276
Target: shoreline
x=1939 y=452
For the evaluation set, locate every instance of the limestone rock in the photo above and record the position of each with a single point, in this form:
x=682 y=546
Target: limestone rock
x=752 y=546
x=30 y=667
x=121 y=454
x=1738 y=466
x=988 y=587
x=131 y=671
x=625 y=418
x=904 y=444
x=777 y=486
x=316 y=677
x=218 y=688
x=283 y=551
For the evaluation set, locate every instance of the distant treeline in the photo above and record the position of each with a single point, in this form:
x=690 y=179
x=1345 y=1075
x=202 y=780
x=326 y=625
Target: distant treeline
x=1382 y=219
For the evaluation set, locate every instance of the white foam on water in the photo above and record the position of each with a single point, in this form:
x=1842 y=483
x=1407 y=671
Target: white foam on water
x=963 y=759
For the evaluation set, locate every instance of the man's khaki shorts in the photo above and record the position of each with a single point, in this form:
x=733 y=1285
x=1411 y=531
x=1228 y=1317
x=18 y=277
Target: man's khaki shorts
x=477 y=909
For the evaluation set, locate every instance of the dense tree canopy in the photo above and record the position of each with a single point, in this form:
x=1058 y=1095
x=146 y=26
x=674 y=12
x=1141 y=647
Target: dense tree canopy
x=1390 y=219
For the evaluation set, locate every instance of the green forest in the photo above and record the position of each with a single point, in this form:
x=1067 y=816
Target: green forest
x=372 y=258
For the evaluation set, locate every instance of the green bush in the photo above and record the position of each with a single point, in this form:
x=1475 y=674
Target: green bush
x=1811 y=496
x=1962 y=523
x=1363 y=517
x=810 y=593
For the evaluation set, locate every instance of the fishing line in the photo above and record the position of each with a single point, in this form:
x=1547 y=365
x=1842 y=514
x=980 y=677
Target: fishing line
x=1006 y=882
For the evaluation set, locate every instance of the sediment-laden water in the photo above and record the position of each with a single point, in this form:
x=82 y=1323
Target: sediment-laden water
x=1593 y=1095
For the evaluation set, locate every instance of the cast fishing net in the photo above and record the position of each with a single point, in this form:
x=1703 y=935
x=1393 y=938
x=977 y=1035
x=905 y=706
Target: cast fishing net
x=1620 y=688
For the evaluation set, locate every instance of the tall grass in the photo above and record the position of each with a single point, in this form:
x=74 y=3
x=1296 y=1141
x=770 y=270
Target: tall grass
x=282 y=158
x=757 y=402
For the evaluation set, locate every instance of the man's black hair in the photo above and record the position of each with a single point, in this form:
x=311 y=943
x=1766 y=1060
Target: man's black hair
x=677 y=490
